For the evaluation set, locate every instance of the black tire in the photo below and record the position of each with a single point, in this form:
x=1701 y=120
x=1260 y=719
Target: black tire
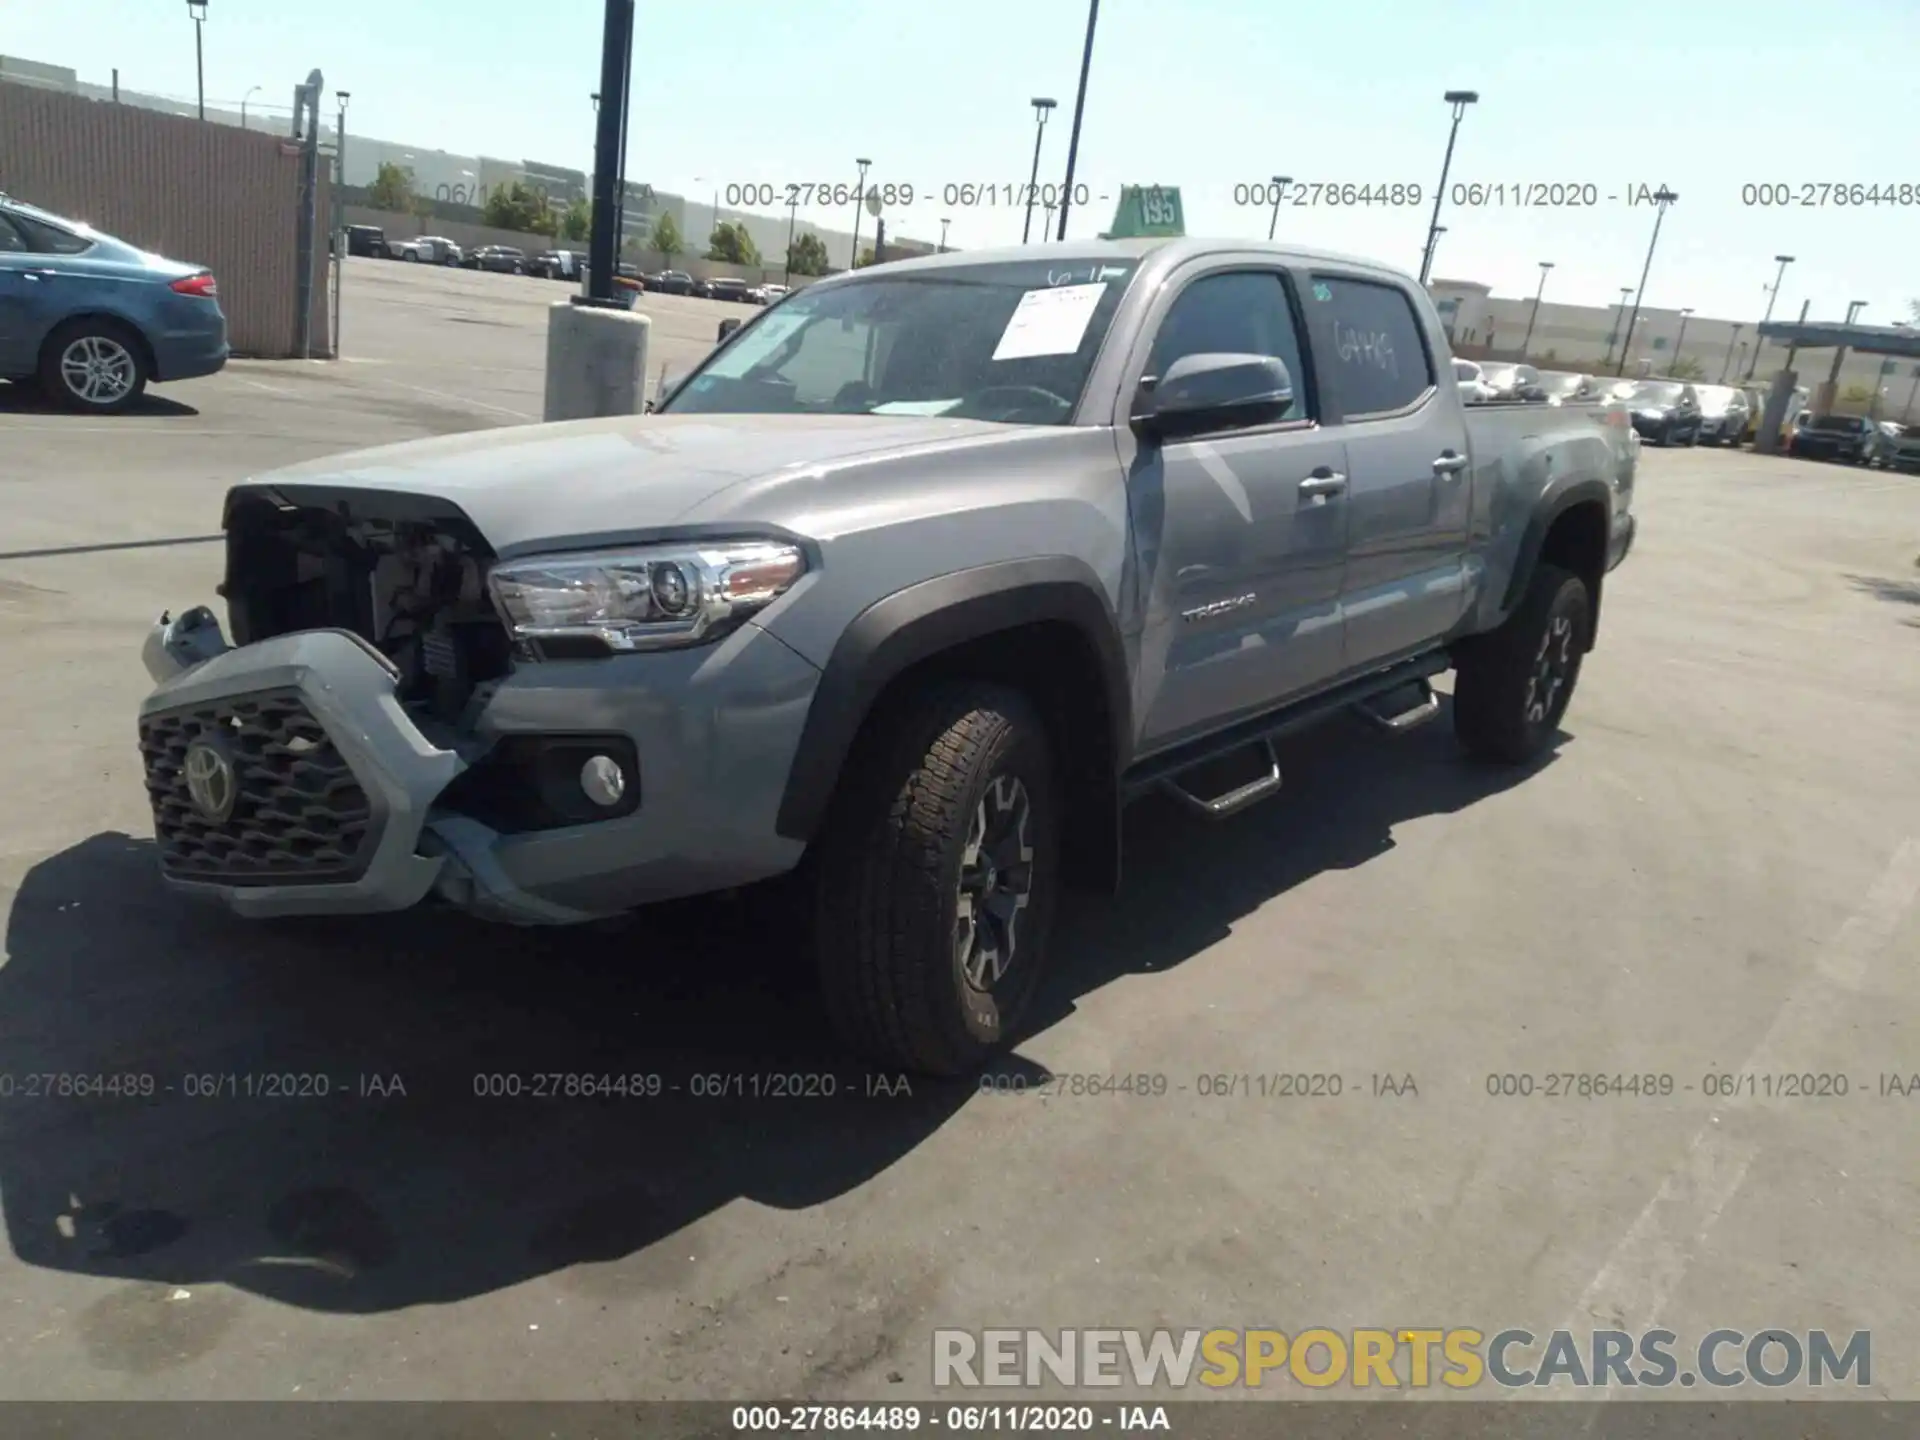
x=1498 y=711
x=95 y=365
x=892 y=867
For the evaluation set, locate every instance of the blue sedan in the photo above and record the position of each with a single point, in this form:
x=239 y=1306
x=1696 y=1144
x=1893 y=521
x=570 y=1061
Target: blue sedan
x=93 y=319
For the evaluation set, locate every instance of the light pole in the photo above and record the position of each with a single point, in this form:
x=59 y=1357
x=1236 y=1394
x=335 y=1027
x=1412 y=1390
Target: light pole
x=1613 y=332
x=1728 y=362
x=1541 y=289
x=1662 y=198
x=1046 y=218
x=793 y=219
x=609 y=132
x=1681 y=338
x=1906 y=414
x=1280 y=183
x=339 y=206
x=243 y=105
x=1042 y=107
x=1079 y=110
x=1773 y=294
x=945 y=221
x=859 y=196
x=198 y=10
x=1459 y=100
x=1433 y=242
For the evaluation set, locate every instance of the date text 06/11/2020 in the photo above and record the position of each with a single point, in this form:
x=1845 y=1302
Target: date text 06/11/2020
x=900 y=194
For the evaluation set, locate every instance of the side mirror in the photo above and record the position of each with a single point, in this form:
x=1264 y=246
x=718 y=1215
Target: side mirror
x=727 y=327
x=1220 y=391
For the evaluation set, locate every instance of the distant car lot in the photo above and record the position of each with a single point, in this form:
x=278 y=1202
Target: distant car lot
x=1718 y=871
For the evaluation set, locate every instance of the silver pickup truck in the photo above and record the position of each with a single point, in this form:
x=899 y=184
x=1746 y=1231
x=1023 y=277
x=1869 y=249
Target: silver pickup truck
x=907 y=588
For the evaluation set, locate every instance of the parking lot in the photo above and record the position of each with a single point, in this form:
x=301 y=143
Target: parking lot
x=1714 y=874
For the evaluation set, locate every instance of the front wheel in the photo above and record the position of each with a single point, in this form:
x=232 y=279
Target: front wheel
x=936 y=883
x=1513 y=685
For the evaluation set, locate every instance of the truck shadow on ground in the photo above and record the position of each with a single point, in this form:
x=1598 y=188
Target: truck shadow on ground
x=377 y=1173
x=18 y=399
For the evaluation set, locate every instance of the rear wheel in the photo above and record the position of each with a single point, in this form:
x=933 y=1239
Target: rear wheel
x=935 y=888
x=1513 y=685
x=94 y=365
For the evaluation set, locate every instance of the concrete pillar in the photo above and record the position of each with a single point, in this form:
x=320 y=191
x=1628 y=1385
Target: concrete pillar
x=1825 y=396
x=596 y=362
x=1766 y=439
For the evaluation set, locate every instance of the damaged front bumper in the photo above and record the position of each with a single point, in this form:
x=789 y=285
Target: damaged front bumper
x=288 y=778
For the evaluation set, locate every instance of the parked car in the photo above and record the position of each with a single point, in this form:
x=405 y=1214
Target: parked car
x=368 y=240
x=426 y=250
x=92 y=320
x=1724 y=413
x=670 y=282
x=1853 y=439
x=726 y=287
x=1470 y=383
x=1665 y=412
x=1902 y=450
x=500 y=259
x=767 y=294
x=1514 y=382
x=1566 y=387
x=557 y=265
x=941 y=708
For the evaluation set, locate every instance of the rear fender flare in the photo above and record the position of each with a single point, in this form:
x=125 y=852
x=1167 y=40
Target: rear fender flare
x=1534 y=538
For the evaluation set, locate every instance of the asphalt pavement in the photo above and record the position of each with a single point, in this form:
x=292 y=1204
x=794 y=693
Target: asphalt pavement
x=1713 y=874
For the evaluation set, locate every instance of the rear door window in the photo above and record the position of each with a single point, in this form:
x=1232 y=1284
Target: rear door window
x=1375 y=349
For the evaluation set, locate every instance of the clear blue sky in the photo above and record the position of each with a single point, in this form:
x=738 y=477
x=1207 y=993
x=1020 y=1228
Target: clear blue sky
x=1703 y=95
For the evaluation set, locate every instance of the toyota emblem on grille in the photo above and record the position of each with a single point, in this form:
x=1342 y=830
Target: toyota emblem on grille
x=211 y=781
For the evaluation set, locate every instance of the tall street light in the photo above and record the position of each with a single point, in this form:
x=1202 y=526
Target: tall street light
x=198 y=10
x=1541 y=289
x=793 y=220
x=1433 y=241
x=1613 y=332
x=1681 y=338
x=1727 y=363
x=1459 y=100
x=1280 y=183
x=1079 y=110
x=945 y=221
x=609 y=140
x=1662 y=198
x=1041 y=108
x=859 y=201
x=1773 y=294
x=243 y=105
x=339 y=207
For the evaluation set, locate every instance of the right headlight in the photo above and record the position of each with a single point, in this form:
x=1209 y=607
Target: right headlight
x=651 y=597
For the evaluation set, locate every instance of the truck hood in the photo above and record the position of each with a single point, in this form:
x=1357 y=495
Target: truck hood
x=525 y=484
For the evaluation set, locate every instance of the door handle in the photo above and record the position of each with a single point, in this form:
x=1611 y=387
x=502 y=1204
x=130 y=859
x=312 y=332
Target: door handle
x=1449 y=463
x=1322 y=483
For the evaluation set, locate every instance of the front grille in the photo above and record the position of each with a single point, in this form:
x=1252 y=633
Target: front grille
x=299 y=816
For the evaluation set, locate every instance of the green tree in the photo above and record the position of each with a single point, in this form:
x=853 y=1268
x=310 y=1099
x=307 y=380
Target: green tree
x=1687 y=368
x=577 y=222
x=731 y=244
x=1913 y=311
x=807 y=255
x=666 y=237
x=1857 y=395
x=866 y=258
x=392 y=188
x=519 y=206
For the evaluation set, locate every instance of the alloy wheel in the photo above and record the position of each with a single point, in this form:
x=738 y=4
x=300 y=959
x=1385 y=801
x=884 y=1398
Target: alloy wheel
x=1551 y=666
x=98 y=369
x=996 y=883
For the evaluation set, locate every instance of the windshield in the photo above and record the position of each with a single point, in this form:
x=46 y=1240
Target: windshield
x=1565 y=386
x=1838 y=423
x=1655 y=392
x=1010 y=341
x=1716 y=400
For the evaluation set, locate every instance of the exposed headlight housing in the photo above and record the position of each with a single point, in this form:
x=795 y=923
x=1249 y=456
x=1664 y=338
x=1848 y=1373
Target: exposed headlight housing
x=653 y=597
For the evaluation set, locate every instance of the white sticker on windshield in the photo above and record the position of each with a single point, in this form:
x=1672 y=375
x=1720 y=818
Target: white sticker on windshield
x=916 y=407
x=1049 y=322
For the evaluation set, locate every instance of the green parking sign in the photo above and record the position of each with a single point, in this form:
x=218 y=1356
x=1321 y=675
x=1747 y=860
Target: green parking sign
x=1147 y=210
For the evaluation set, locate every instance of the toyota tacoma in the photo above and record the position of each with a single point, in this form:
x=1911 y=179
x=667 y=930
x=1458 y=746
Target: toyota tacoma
x=906 y=589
